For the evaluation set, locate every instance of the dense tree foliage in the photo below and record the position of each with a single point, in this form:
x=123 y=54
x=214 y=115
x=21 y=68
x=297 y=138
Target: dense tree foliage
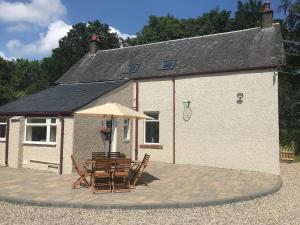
x=289 y=77
x=22 y=77
x=75 y=45
x=168 y=27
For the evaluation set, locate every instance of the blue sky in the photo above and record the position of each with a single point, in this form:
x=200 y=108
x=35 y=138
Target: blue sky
x=31 y=28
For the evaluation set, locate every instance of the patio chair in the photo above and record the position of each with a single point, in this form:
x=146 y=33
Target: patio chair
x=121 y=182
x=83 y=172
x=98 y=155
x=101 y=179
x=114 y=155
x=137 y=171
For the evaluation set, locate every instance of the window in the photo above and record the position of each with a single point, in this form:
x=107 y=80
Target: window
x=168 y=65
x=152 y=128
x=41 y=130
x=2 y=129
x=131 y=68
x=126 y=130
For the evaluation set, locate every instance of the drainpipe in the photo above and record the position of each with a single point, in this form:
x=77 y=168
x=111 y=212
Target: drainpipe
x=7 y=140
x=136 y=120
x=62 y=132
x=174 y=92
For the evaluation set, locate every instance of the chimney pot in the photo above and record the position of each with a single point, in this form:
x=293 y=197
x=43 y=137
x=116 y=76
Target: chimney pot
x=94 y=40
x=267 y=15
x=267 y=6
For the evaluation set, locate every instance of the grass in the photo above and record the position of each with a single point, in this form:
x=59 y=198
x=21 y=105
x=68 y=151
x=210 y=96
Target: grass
x=297 y=158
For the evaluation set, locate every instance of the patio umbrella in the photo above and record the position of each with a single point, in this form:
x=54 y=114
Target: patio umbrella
x=112 y=110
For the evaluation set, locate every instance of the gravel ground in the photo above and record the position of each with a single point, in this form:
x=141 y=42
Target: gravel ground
x=280 y=208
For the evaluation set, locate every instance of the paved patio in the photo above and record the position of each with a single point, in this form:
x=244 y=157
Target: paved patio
x=170 y=186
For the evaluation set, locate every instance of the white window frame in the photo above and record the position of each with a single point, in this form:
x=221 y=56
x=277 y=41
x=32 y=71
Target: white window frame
x=3 y=138
x=151 y=120
x=48 y=124
x=127 y=138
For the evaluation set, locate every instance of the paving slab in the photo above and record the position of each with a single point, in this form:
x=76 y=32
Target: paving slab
x=170 y=186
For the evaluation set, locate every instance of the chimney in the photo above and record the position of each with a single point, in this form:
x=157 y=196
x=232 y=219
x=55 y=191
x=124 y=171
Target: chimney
x=267 y=15
x=94 y=40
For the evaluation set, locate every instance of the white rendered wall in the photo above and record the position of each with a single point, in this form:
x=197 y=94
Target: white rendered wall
x=2 y=153
x=220 y=133
x=40 y=157
x=157 y=96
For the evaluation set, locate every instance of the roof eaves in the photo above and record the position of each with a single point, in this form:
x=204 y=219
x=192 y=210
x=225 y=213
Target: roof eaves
x=209 y=72
x=36 y=114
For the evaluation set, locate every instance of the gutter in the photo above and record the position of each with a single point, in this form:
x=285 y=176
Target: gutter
x=7 y=140
x=35 y=114
x=174 y=121
x=61 y=153
x=136 y=151
x=206 y=72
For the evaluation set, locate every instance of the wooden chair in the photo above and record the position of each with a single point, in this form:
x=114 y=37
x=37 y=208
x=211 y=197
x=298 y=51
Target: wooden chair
x=98 y=155
x=101 y=179
x=121 y=182
x=114 y=155
x=137 y=170
x=83 y=172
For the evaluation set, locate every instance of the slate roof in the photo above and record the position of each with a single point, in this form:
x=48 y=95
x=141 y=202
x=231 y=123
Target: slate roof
x=60 y=99
x=254 y=48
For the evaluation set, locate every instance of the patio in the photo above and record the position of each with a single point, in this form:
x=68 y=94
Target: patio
x=170 y=186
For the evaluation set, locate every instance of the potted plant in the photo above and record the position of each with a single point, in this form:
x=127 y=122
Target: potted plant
x=105 y=130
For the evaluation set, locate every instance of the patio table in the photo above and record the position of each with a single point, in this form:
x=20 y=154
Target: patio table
x=111 y=169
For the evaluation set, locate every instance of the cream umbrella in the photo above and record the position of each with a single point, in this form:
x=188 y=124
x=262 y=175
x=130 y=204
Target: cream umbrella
x=112 y=110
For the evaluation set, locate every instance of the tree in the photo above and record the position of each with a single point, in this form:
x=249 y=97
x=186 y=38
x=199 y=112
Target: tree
x=6 y=91
x=75 y=45
x=161 y=28
x=28 y=77
x=248 y=15
x=168 y=27
x=289 y=88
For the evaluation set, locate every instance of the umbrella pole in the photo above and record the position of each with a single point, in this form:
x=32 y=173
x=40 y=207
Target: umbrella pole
x=111 y=127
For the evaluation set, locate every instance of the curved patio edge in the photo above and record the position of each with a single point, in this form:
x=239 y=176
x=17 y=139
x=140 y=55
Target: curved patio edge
x=276 y=187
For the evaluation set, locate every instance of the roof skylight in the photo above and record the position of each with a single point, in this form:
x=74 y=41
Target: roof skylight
x=132 y=68
x=168 y=64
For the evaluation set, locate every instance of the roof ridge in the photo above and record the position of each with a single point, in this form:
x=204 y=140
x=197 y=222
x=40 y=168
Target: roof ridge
x=175 y=40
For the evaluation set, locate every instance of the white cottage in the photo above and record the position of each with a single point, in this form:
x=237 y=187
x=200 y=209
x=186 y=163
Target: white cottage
x=214 y=100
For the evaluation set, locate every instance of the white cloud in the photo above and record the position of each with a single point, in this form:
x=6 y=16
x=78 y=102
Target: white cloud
x=44 y=45
x=19 y=28
x=41 y=12
x=2 y=54
x=120 y=34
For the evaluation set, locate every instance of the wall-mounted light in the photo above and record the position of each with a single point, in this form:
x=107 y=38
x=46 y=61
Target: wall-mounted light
x=187 y=111
x=187 y=104
x=240 y=97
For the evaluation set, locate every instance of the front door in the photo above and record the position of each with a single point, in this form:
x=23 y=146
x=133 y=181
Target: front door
x=114 y=136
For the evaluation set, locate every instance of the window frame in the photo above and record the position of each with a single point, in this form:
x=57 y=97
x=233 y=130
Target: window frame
x=48 y=126
x=173 y=62
x=151 y=120
x=5 y=124
x=127 y=138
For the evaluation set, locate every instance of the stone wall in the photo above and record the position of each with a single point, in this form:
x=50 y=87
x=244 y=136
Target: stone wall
x=87 y=137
